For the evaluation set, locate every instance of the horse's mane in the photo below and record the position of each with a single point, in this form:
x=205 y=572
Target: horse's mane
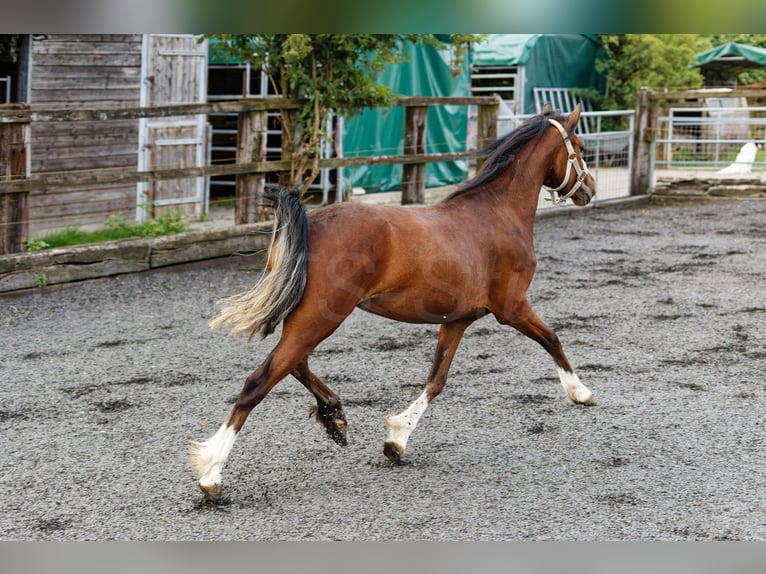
x=502 y=152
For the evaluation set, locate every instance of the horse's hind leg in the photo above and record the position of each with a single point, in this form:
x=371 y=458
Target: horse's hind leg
x=297 y=341
x=329 y=411
x=208 y=458
x=400 y=426
x=524 y=320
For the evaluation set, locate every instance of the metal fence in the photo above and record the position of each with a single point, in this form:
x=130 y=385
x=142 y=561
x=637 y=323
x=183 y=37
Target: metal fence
x=711 y=138
x=608 y=151
x=608 y=142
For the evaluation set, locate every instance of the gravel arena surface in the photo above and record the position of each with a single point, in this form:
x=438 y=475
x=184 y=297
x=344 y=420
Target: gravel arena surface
x=661 y=311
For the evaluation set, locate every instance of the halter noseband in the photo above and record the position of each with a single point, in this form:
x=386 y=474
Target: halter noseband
x=582 y=171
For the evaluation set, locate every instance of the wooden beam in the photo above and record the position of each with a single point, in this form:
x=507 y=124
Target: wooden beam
x=251 y=147
x=14 y=207
x=24 y=114
x=641 y=161
x=487 y=126
x=101 y=177
x=702 y=94
x=444 y=101
x=414 y=174
x=27 y=113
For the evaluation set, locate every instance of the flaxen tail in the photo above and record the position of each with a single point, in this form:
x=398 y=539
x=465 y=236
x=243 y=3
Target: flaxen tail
x=280 y=288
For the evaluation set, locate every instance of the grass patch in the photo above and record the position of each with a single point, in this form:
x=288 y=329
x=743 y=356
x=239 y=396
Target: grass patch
x=116 y=227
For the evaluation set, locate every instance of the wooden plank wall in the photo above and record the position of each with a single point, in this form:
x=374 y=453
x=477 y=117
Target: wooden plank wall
x=178 y=68
x=78 y=71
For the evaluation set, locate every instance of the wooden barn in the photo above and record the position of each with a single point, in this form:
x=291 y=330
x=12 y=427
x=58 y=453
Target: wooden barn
x=86 y=71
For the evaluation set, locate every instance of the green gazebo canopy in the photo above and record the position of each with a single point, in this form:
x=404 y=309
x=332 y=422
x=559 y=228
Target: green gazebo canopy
x=723 y=63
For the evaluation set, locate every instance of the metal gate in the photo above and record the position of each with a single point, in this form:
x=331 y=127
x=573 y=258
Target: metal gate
x=5 y=89
x=711 y=137
x=608 y=150
x=173 y=71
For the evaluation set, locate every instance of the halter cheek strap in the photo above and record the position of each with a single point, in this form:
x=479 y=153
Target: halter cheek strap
x=581 y=171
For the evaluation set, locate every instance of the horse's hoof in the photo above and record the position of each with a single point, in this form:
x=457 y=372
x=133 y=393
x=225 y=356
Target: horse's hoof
x=212 y=491
x=589 y=402
x=393 y=452
x=333 y=419
x=337 y=431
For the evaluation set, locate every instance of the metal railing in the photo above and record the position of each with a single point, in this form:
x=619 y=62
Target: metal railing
x=706 y=138
x=609 y=151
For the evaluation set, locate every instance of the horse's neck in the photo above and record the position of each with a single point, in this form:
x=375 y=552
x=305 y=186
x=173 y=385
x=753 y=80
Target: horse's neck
x=518 y=189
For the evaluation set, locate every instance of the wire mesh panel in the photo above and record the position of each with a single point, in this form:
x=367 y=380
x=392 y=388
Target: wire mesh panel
x=712 y=137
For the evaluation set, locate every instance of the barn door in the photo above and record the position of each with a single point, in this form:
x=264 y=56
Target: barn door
x=173 y=71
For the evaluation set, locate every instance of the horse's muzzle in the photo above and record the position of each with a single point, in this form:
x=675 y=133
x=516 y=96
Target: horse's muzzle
x=586 y=193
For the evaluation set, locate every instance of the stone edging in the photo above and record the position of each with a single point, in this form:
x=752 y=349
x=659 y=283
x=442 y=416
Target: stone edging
x=67 y=264
x=696 y=186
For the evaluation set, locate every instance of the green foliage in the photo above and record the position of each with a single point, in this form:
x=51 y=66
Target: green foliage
x=659 y=61
x=166 y=223
x=36 y=244
x=325 y=72
x=10 y=47
x=42 y=280
x=655 y=61
x=758 y=40
x=116 y=227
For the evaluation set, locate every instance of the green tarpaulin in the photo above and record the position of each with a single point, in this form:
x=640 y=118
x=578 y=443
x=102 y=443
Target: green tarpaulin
x=428 y=72
x=505 y=50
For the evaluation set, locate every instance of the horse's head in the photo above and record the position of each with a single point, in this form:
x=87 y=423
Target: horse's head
x=569 y=175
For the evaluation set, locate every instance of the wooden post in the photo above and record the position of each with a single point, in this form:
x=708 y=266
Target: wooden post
x=251 y=146
x=14 y=207
x=486 y=130
x=414 y=174
x=639 y=179
x=288 y=120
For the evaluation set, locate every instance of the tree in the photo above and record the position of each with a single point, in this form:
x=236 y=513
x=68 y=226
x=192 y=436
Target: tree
x=325 y=72
x=655 y=61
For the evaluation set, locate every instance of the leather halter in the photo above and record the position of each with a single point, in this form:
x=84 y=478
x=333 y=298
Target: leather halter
x=581 y=171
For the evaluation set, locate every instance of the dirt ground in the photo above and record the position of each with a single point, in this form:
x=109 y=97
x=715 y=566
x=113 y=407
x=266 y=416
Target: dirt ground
x=661 y=311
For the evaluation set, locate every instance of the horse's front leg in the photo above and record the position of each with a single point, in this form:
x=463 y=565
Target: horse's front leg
x=524 y=320
x=400 y=426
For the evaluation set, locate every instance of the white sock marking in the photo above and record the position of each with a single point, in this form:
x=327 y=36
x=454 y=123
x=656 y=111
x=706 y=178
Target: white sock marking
x=211 y=455
x=400 y=426
x=575 y=390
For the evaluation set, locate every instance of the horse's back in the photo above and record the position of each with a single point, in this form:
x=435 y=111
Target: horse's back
x=345 y=227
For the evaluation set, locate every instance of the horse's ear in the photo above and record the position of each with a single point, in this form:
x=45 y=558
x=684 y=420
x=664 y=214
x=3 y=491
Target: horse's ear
x=546 y=109
x=573 y=118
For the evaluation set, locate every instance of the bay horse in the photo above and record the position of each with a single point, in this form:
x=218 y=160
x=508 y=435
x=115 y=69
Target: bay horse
x=449 y=263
